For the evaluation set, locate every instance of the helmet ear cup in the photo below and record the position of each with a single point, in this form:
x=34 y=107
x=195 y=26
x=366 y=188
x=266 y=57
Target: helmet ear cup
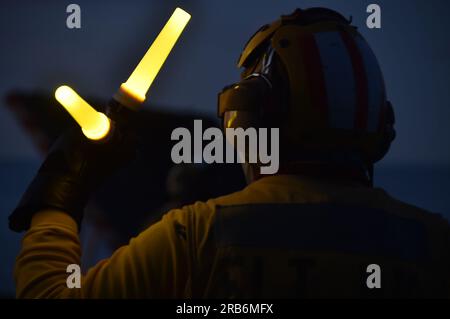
x=389 y=133
x=248 y=97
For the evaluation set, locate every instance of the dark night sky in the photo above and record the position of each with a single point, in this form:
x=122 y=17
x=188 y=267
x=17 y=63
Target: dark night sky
x=39 y=52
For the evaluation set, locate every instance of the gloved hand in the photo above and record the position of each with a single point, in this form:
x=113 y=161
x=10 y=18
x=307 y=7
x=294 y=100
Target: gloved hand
x=74 y=168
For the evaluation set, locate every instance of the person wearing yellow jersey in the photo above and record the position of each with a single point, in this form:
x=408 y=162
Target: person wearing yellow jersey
x=311 y=230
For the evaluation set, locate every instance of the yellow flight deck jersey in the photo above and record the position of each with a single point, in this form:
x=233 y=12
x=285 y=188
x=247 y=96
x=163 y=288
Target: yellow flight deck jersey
x=281 y=236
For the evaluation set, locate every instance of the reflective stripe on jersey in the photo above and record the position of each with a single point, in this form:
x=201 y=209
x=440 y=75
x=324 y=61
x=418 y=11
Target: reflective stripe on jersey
x=321 y=227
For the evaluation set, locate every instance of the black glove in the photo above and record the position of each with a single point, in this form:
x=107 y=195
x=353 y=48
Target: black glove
x=74 y=168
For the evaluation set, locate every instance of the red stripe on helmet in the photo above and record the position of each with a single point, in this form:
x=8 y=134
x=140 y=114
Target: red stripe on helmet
x=362 y=95
x=315 y=74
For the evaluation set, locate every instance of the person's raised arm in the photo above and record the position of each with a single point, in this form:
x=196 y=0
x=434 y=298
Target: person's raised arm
x=154 y=264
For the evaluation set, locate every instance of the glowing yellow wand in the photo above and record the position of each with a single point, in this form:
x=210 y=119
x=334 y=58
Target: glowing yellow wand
x=132 y=93
x=96 y=125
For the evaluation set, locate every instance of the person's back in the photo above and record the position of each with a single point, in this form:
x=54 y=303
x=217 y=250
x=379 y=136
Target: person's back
x=293 y=236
